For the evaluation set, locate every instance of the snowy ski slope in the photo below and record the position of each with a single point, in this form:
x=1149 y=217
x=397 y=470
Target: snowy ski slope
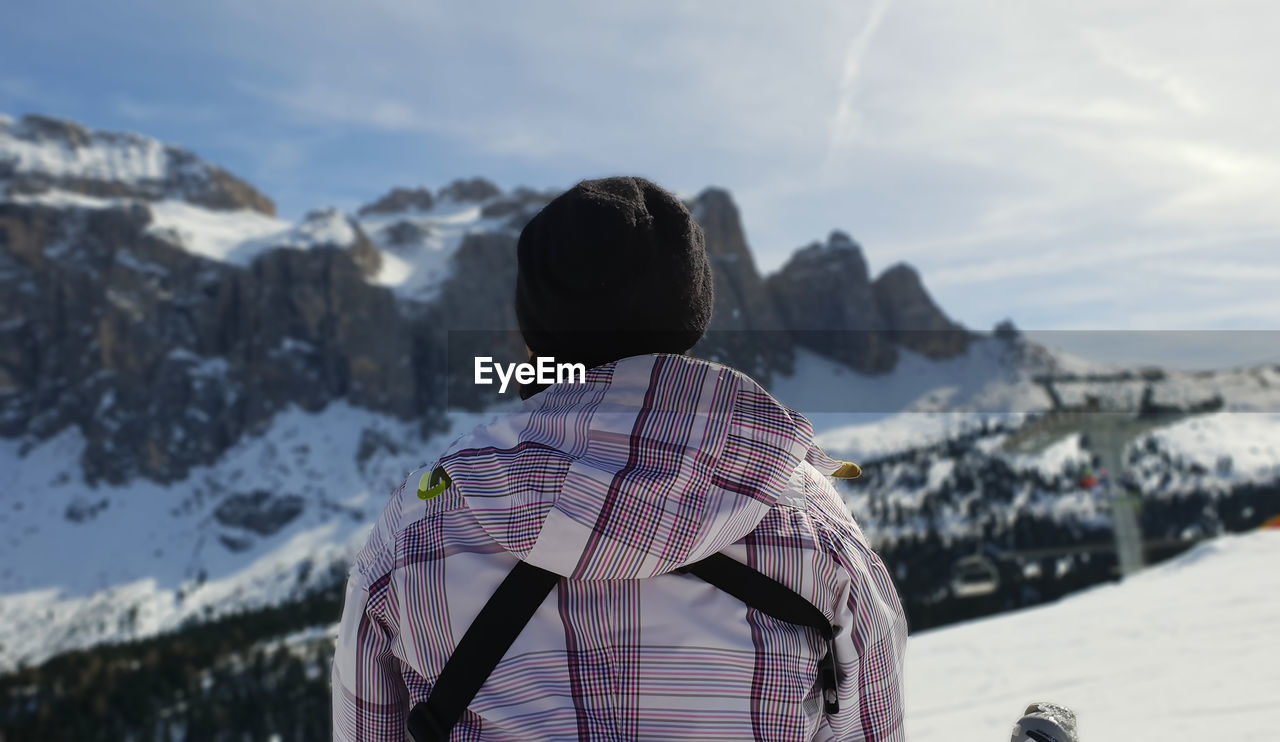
x=1184 y=651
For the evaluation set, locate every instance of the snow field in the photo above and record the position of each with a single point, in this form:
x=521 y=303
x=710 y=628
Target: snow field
x=1183 y=651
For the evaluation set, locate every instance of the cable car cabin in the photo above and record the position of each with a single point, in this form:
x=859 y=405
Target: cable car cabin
x=974 y=576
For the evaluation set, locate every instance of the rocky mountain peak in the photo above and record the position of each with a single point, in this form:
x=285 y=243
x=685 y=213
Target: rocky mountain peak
x=825 y=296
x=838 y=240
x=746 y=330
x=718 y=215
x=332 y=228
x=469 y=190
x=46 y=129
x=839 y=257
x=399 y=200
x=916 y=322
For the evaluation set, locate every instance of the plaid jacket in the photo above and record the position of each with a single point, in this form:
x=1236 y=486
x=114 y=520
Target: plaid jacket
x=655 y=462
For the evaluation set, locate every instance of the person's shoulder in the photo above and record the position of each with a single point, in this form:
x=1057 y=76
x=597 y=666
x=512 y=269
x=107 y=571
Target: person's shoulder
x=841 y=540
x=425 y=493
x=821 y=497
x=811 y=502
x=828 y=510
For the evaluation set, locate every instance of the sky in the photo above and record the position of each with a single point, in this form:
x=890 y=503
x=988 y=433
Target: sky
x=1072 y=166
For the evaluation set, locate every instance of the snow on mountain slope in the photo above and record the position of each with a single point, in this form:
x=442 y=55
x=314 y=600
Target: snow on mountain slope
x=415 y=248
x=120 y=158
x=1183 y=651
x=60 y=199
x=81 y=565
x=39 y=155
x=417 y=245
x=924 y=401
x=217 y=235
x=1255 y=388
x=921 y=402
x=235 y=237
x=311 y=456
x=1250 y=440
x=981 y=379
x=866 y=436
x=205 y=210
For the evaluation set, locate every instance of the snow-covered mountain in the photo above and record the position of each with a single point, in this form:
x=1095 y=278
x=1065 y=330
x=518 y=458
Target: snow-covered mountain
x=270 y=521
x=46 y=156
x=203 y=407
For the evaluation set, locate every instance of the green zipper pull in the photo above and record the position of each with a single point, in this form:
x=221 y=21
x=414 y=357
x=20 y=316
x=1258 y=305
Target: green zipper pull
x=433 y=484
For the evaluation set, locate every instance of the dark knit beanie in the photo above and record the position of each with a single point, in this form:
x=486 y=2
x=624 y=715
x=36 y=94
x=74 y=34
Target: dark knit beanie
x=612 y=268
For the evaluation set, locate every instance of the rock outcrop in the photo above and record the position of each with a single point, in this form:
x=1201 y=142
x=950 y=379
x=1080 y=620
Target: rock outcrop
x=746 y=330
x=831 y=306
x=469 y=190
x=163 y=359
x=824 y=294
x=913 y=319
x=400 y=200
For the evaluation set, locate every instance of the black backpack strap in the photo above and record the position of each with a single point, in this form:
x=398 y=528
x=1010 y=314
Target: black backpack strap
x=488 y=638
x=772 y=598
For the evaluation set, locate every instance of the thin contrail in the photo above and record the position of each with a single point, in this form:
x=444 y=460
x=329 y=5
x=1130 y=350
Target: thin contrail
x=843 y=116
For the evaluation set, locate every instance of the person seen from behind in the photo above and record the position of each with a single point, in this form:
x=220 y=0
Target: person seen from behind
x=619 y=492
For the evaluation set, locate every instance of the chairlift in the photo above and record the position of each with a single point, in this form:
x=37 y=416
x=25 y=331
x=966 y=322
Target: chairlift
x=974 y=576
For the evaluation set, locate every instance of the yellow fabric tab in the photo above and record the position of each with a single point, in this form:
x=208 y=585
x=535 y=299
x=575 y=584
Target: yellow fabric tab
x=847 y=470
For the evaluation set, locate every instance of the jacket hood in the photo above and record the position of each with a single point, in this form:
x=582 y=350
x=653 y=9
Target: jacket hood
x=656 y=461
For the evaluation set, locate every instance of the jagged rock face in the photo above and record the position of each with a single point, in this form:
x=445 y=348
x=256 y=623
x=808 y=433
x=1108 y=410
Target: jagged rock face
x=335 y=229
x=39 y=154
x=259 y=512
x=399 y=200
x=364 y=254
x=481 y=292
x=828 y=302
x=405 y=233
x=519 y=206
x=746 y=330
x=473 y=190
x=824 y=295
x=164 y=359
x=475 y=314
x=914 y=321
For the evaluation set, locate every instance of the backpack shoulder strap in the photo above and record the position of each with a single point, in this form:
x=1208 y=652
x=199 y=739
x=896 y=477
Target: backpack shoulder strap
x=772 y=598
x=488 y=638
